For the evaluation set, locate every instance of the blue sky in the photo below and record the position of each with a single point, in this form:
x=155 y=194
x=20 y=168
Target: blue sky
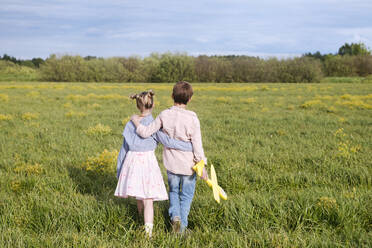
x=38 y=28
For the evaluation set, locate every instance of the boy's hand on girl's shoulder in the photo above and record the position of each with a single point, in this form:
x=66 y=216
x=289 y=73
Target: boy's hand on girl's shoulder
x=135 y=119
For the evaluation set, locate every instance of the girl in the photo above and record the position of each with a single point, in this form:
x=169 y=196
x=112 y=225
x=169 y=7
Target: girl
x=138 y=172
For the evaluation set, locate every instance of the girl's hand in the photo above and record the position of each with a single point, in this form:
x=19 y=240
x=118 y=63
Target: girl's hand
x=205 y=174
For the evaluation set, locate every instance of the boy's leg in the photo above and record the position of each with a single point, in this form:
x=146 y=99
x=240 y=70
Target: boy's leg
x=186 y=195
x=174 y=198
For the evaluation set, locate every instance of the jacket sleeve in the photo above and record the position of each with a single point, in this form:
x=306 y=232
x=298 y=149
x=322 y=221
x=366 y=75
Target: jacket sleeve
x=168 y=142
x=147 y=131
x=196 y=140
x=121 y=157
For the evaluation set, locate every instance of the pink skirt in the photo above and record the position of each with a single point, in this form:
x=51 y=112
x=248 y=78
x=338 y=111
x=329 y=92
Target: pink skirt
x=140 y=177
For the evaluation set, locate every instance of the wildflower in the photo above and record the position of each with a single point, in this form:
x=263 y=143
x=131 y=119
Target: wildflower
x=331 y=109
x=341 y=119
x=223 y=99
x=75 y=87
x=30 y=116
x=4 y=97
x=311 y=103
x=343 y=149
x=346 y=96
x=351 y=194
x=248 y=100
x=326 y=97
x=280 y=132
x=29 y=169
x=15 y=185
x=67 y=105
x=102 y=163
x=355 y=149
x=339 y=132
x=5 y=117
x=94 y=105
x=99 y=97
x=75 y=114
x=327 y=203
x=264 y=88
x=99 y=129
x=59 y=87
x=33 y=94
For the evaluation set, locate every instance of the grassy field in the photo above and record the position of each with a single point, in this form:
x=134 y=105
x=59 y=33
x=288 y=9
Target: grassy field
x=295 y=160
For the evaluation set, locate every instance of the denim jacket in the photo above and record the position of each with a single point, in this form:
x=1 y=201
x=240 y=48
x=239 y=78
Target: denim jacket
x=133 y=142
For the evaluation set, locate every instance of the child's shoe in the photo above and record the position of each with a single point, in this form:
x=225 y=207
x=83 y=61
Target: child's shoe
x=176 y=224
x=148 y=229
x=185 y=232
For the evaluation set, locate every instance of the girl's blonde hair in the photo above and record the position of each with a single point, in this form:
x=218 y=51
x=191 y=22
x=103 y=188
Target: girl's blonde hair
x=145 y=100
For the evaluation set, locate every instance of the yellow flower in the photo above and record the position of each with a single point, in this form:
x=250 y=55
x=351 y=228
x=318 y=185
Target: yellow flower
x=75 y=114
x=94 y=105
x=102 y=163
x=4 y=97
x=311 y=103
x=248 y=100
x=341 y=119
x=33 y=94
x=327 y=203
x=5 y=117
x=340 y=132
x=331 y=109
x=30 y=116
x=15 y=185
x=29 y=169
x=99 y=129
x=223 y=99
x=67 y=105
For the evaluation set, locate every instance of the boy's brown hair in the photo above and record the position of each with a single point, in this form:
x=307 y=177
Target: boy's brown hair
x=182 y=92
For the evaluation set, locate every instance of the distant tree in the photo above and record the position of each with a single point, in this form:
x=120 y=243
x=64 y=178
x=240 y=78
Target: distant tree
x=316 y=55
x=354 y=49
x=9 y=58
x=37 y=62
x=89 y=57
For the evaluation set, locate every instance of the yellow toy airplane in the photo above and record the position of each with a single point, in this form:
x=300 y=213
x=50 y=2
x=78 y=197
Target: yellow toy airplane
x=217 y=190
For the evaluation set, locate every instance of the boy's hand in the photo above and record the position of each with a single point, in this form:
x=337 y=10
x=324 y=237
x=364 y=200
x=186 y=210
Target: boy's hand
x=135 y=119
x=205 y=174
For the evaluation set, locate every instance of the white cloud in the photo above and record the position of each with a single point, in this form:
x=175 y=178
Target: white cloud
x=118 y=27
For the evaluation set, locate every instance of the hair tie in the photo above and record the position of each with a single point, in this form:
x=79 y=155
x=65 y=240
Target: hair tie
x=151 y=93
x=133 y=96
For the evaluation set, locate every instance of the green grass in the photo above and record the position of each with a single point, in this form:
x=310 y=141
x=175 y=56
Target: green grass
x=343 y=80
x=294 y=159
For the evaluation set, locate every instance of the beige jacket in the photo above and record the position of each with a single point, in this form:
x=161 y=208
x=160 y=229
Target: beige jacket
x=180 y=124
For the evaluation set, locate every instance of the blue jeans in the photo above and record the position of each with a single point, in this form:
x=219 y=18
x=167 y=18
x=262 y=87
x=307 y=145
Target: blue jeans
x=181 y=192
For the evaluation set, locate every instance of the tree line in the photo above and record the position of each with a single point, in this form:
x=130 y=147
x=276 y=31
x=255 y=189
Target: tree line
x=351 y=60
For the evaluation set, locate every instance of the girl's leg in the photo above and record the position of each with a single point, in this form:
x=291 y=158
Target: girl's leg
x=148 y=215
x=140 y=207
x=148 y=210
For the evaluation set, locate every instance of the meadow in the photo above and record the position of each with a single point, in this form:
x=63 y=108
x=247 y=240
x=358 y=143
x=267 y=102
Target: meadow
x=294 y=159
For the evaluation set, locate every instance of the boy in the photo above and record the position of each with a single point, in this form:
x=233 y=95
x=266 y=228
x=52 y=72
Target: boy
x=184 y=125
